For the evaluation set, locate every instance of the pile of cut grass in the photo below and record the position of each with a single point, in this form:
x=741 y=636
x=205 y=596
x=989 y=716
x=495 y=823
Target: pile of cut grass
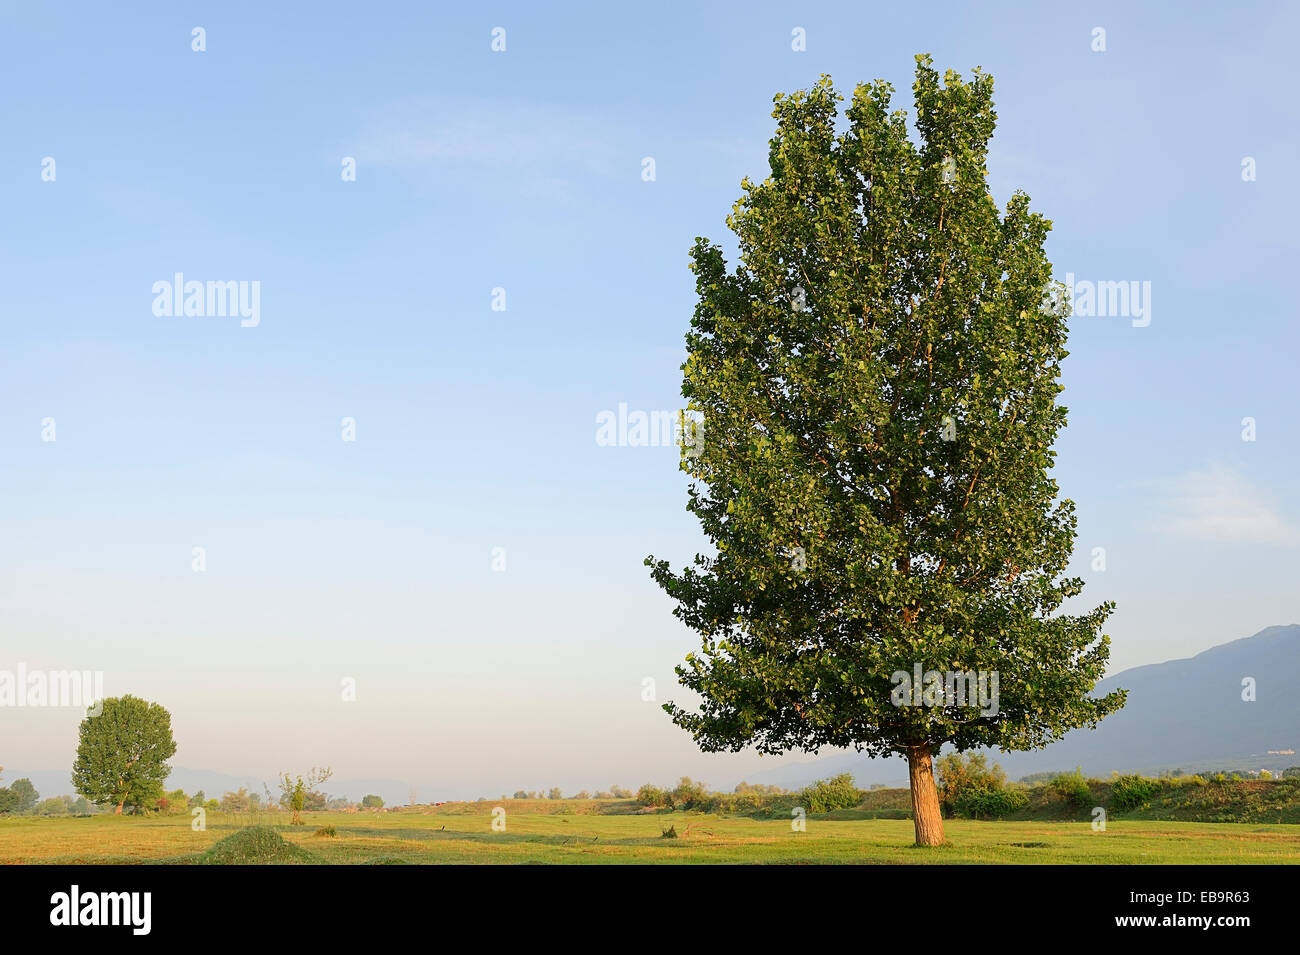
x=256 y=845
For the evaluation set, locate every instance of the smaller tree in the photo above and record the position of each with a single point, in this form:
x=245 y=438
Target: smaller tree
x=176 y=802
x=297 y=793
x=688 y=793
x=54 y=806
x=372 y=802
x=236 y=801
x=555 y=793
x=25 y=795
x=651 y=795
x=149 y=796
x=15 y=798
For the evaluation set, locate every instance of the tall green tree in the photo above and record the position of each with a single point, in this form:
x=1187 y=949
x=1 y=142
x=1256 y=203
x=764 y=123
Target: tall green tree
x=122 y=754
x=878 y=381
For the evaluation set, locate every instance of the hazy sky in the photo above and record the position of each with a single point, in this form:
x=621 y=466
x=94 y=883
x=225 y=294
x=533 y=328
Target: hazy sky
x=475 y=428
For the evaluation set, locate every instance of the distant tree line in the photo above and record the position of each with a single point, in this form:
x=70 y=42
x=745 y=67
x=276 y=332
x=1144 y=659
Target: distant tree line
x=614 y=792
x=21 y=798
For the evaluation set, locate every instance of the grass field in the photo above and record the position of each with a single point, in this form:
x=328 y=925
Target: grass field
x=576 y=832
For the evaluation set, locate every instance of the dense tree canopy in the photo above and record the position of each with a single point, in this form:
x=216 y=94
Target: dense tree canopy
x=878 y=379
x=122 y=754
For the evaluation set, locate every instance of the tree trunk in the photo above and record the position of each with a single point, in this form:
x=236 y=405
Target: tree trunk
x=119 y=807
x=925 y=797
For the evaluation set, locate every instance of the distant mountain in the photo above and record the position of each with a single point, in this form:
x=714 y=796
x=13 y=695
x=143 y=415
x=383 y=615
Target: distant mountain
x=1183 y=713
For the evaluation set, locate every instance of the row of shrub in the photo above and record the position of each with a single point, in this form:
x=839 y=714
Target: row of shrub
x=1131 y=792
x=177 y=802
x=825 y=795
x=971 y=788
x=555 y=792
x=54 y=806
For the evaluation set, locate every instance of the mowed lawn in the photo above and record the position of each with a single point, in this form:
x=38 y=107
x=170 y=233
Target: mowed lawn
x=461 y=834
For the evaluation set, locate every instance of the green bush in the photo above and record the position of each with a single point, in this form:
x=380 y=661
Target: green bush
x=54 y=806
x=653 y=796
x=960 y=774
x=970 y=787
x=689 y=794
x=827 y=795
x=990 y=803
x=1130 y=792
x=1073 y=789
x=746 y=803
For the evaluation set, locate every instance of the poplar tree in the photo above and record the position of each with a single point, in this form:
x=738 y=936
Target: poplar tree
x=122 y=753
x=878 y=379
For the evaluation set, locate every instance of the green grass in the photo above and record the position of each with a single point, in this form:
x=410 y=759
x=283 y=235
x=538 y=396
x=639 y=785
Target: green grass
x=569 y=831
x=256 y=845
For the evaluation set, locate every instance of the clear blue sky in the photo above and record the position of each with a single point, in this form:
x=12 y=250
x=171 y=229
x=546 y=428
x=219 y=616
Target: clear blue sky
x=476 y=428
